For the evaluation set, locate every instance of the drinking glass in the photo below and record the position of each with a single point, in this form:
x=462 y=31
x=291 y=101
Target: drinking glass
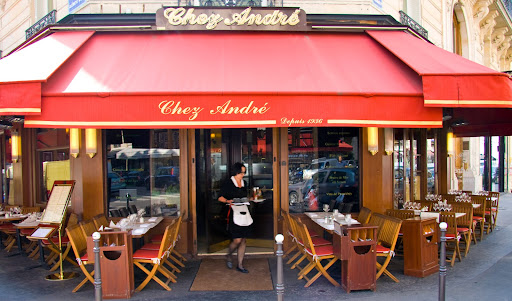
x=326 y=208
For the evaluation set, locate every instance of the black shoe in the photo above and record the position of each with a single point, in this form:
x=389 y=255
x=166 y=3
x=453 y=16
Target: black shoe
x=242 y=270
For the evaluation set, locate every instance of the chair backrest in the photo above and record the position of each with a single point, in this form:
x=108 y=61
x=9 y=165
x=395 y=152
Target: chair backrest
x=25 y=210
x=100 y=220
x=482 y=200
x=332 y=204
x=88 y=227
x=450 y=219
x=364 y=215
x=287 y=223
x=427 y=204
x=115 y=213
x=72 y=220
x=467 y=219
x=401 y=214
x=345 y=207
x=450 y=198
x=124 y=212
x=389 y=228
x=133 y=209
x=166 y=241
x=305 y=238
x=78 y=241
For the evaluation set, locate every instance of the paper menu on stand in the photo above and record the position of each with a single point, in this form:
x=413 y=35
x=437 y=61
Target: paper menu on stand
x=56 y=204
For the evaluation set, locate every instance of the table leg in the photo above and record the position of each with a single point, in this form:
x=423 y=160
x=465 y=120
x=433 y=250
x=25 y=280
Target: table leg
x=18 y=241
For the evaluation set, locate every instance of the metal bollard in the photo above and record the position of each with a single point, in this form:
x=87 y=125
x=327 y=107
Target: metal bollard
x=442 y=262
x=97 y=270
x=279 y=253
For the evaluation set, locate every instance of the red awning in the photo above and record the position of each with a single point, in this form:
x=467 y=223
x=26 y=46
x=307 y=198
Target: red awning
x=449 y=80
x=168 y=79
x=22 y=72
x=242 y=79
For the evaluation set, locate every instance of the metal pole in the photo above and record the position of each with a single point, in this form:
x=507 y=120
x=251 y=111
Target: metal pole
x=97 y=270
x=442 y=262
x=279 y=253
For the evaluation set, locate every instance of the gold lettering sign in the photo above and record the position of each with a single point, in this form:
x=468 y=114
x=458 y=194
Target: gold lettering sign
x=190 y=18
x=171 y=107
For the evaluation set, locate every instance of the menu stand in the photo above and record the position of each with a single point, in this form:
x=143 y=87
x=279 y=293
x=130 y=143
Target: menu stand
x=356 y=247
x=51 y=221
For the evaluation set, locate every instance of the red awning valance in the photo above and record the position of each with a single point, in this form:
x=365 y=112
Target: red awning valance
x=22 y=72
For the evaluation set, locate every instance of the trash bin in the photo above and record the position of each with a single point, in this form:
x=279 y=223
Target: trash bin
x=356 y=247
x=116 y=265
x=420 y=246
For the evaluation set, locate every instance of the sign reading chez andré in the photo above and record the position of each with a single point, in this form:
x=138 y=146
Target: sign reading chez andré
x=221 y=18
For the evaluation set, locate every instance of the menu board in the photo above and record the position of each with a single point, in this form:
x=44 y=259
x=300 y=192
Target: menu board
x=57 y=203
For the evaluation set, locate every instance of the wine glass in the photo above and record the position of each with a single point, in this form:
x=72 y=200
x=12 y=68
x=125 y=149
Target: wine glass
x=326 y=208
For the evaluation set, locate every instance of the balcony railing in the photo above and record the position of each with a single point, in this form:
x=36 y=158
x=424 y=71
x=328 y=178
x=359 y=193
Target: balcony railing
x=246 y=3
x=406 y=20
x=49 y=19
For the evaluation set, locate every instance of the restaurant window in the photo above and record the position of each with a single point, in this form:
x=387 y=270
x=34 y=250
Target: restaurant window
x=6 y=166
x=143 y=171
x=52 y=147
x=431 y=163
x=323 y=169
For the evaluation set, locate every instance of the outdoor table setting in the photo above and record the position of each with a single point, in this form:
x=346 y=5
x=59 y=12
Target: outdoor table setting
x=138 y=226
x=326 y=219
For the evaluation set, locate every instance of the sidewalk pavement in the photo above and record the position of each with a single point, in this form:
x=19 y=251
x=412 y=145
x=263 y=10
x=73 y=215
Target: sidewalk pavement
x=484 y=275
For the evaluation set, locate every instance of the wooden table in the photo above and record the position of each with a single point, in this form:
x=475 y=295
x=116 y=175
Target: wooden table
x=427 y=214
x=319 y=219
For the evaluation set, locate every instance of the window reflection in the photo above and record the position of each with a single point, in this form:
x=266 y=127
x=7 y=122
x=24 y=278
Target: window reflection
x=323 y=169
x=53 y=156
x=143 y=172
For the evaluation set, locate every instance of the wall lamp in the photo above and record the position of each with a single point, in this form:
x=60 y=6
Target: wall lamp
x=91 y=145
x=389 y=142
x=15 y=146
x=74 y=142
x=373 y=140
x=450 y=147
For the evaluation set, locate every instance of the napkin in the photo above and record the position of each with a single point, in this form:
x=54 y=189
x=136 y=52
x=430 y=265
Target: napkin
x=138 y=231
x=153 y=219
x=101 y=228
x=112 y=225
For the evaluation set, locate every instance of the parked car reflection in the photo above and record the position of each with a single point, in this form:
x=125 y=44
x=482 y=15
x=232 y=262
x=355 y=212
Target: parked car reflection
x=340 y=184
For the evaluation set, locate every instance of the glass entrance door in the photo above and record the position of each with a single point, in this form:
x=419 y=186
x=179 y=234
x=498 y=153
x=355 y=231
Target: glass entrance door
x=216 y=151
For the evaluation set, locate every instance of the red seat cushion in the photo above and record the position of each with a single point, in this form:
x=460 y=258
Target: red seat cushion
x=451 y=236
x=151 y=247
x=494 y=209
x=27 y=231
x=462 y=229
x=488 y=212
x=323 y=250
x=8 y=226
x=318 y=241
x=55 y=240
x=382 y=249
x=145 y=254
x=157 y=238
x=477 y=218
x=85 y=257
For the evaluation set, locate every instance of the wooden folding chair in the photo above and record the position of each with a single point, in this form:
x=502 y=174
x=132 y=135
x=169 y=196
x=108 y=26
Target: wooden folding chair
x=291 y=236
x=495 y=200
x=88 y=227
x=452 y=235
x=79 y=245
x=156 y=239
x=465 y=223
x=315 y=256
x=100 y=220
x=389 y=228
x=364 y=215
x=479 y=213
x=156 y=258
x=173 y=242
x=316 y=240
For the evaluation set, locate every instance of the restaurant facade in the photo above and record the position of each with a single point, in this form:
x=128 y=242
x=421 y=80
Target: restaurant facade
x=322 y=109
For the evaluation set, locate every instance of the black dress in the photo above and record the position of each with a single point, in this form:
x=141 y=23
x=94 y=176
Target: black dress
x=230 y=191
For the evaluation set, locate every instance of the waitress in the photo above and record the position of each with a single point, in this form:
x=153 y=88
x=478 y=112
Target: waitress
x=235 y=187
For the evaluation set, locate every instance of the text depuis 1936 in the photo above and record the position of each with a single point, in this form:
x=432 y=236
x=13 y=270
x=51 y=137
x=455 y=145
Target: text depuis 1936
x=230 y=18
